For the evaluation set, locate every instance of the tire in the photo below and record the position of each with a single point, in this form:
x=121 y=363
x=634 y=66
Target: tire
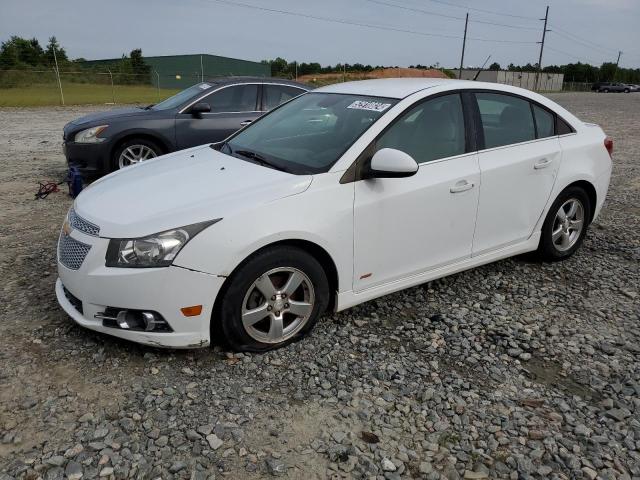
x=626 y=90
x=137 y=150
x=248 y=318
x=558 y=240
x=606 y=90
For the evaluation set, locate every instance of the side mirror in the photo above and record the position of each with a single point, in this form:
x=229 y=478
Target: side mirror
x=391 y=163
x=200 y=108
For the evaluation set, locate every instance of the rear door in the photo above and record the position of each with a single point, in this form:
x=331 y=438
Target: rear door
x=232 y=107
x=518 y=168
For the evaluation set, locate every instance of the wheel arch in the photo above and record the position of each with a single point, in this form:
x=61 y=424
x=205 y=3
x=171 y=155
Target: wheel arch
x=145 y=135
x=315 y=250
x=590 y=190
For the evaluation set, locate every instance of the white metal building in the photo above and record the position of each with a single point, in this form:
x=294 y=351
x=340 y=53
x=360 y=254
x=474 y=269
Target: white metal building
x=551 y=82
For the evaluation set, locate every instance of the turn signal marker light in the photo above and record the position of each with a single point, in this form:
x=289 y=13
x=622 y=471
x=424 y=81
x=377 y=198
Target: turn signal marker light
x=192 y=311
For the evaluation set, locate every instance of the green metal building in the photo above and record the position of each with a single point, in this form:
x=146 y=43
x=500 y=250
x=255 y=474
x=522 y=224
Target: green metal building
x=182 y=71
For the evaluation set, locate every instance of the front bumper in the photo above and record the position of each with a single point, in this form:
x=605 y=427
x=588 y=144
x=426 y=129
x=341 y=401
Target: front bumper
x=91 y=159
x=163 y=290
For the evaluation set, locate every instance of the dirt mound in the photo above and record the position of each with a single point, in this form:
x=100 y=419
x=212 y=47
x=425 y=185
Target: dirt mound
x=328 y=78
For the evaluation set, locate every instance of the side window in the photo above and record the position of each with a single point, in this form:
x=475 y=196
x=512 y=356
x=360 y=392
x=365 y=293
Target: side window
x=274 y=95
x=505 y=119
x=562 y=127
x=545 y=122
x=431 y=130
x=239 y=98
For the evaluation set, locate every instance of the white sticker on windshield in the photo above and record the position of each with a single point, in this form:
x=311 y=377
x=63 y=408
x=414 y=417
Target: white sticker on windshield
x=204 y=86
x=374 y=106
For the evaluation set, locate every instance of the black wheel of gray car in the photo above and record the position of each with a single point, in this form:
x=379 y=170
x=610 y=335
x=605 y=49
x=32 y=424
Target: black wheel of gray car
x=565 y=226
x=605 y=90
x=134 y=151
x=272 y=299
x=626 y=90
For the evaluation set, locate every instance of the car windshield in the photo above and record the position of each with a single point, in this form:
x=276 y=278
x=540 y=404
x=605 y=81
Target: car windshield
x=181 y=97
x=310 y=133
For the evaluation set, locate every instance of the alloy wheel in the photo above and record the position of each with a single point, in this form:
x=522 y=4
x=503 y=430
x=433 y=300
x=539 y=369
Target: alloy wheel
x=568 y=224
x=135 y=154
x=278 y=305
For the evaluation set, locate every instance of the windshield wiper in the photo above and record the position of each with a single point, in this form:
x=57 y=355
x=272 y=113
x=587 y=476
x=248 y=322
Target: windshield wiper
x=260 y=159
x=148 y=107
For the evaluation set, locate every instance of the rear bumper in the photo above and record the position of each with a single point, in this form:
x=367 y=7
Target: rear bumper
x=91 y=159
x=601 y=186
x=162 y=290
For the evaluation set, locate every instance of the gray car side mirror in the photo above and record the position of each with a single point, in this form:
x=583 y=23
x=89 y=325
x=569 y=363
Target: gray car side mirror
x=200 y=108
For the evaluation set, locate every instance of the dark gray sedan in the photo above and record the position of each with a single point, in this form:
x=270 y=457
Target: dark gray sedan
x=204 y=113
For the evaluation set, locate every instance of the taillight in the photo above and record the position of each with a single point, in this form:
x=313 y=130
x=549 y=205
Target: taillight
x=608 y=144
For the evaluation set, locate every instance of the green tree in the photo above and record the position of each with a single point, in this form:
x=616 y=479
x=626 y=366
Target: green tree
x=494 y=66
x=60 y=53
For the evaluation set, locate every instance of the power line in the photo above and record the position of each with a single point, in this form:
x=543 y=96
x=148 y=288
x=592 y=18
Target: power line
x=573 y=38
x=360 y=24
x=572 y=56
x=492 y=12
x=428 y=12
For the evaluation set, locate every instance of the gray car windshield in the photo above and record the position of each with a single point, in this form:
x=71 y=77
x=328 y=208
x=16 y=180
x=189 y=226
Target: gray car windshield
x=308 y=134
x=181 y=97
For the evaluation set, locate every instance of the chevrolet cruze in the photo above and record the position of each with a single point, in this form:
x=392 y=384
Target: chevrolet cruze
x=336 y=197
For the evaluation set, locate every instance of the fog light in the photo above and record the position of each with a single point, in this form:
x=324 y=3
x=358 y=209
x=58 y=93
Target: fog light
x=135 y=320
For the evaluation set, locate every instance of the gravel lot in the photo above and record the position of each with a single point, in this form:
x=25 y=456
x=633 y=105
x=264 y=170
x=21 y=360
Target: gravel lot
x=515 y=370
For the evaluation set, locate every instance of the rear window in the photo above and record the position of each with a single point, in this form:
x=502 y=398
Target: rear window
x=545 y=122
x=505 y=119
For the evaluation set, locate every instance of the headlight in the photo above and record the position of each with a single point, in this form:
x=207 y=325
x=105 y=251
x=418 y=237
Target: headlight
x=157 y=250
x=90 y=135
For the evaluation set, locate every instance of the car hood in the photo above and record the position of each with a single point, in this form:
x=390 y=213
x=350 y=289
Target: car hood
x=99 y=117
x=180 y=189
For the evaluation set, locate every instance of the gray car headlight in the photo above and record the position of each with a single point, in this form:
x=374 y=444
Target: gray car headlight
x=157 y=250
x=90 y=135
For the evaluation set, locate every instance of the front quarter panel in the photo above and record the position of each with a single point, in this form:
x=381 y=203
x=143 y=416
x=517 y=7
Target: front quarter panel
x=322 y=214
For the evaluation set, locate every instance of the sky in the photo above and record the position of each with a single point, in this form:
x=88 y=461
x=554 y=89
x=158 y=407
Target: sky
x=407 y=32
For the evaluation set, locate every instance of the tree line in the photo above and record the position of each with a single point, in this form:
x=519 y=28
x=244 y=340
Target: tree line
x=581 y=72
x=19 y=56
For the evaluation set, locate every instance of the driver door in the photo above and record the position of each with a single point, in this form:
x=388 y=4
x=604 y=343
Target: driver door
x=406 y=226
x=232 y=108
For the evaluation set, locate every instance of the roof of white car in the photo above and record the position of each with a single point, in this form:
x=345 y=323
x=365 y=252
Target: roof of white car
x=398 y=87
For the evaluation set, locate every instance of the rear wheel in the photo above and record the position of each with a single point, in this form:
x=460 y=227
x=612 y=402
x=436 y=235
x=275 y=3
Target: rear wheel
x=626 y=90
x=566 y=225
x=134 y=151
x=273 y=299
x=606 y=90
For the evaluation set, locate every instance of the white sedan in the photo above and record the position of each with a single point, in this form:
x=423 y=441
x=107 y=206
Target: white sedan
x=337 y=197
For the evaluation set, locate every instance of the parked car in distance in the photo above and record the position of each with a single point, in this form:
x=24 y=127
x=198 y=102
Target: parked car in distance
x=634 y=88
x=204 y=113
x=341 y=195
x=606 y=87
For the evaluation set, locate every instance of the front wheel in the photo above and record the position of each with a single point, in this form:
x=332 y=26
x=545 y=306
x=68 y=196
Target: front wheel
x=273 y=299
x=134 y=151
x=566 y=225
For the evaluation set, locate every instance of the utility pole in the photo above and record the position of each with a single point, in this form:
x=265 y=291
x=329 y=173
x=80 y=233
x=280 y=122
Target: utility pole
x=617 y=62
x=544 y=33
x=55 y=59
x=464 y=43
x=201 y=70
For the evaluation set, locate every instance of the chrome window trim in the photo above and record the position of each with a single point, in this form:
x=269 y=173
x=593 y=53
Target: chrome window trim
x=207 y=93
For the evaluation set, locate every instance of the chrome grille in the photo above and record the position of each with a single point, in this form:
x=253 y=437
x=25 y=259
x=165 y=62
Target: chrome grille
x=83 y=225
x=71 y=252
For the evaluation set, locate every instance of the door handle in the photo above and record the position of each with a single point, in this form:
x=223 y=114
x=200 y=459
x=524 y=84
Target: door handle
x=461 y=186
x=245 y=123
x=544 y=163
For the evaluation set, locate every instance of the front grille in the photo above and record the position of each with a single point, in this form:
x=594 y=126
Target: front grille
x=75 y=301
x=71 y=252
x=83 y=225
